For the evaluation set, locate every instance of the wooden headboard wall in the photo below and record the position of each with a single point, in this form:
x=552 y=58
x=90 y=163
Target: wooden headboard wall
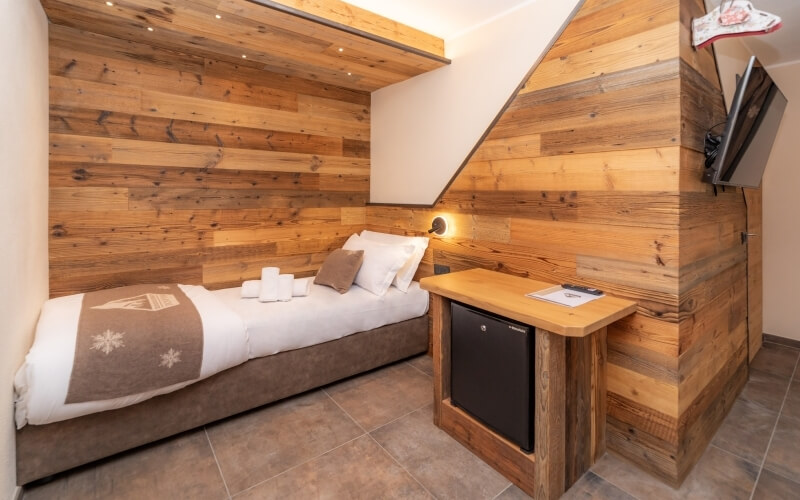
x=171 y=167
x=593 y=175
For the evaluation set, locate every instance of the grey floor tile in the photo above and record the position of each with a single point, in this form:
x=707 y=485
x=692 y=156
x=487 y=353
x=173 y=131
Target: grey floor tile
x=383 y=395
x=631 y=479
x=439 y=462
x=765 y=389
x=359 y=469
x=772 y=486
x=783 y=456
x=181 y=467
x=776 y=359
x=423 y=363
x=718 y=474
x=791 y=407
x=263 y=443
x=746 y=430
x=593 y=487
x=513 y=493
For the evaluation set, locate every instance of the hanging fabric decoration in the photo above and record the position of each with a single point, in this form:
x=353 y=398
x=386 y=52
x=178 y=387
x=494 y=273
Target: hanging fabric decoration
x=732 y=18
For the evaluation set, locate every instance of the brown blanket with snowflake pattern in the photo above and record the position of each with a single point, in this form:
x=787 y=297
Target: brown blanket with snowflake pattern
x=135 y=339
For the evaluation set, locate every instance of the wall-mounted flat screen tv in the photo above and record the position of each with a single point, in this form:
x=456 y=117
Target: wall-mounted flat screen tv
x=739 y=156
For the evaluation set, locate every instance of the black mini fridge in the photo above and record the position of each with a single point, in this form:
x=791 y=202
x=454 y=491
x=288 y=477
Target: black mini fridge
x=492 y=372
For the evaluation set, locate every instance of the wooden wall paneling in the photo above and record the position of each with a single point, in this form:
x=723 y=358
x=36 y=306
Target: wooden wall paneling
x=640 y=48
x=440 y=314
x=550 y=419
x=114 y=69
x=713 y=279
x=73 y=174
x=646 y=171
x=704 y=416
x=117 y=125
x=241 y=172
x=755 y=284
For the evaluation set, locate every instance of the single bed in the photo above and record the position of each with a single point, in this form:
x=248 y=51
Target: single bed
x=292 y=347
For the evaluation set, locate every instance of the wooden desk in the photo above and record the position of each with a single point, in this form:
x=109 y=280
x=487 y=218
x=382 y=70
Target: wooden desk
x=570 y=388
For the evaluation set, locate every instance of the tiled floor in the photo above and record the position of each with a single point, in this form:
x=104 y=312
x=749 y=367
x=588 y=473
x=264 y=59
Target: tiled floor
x=372 y=437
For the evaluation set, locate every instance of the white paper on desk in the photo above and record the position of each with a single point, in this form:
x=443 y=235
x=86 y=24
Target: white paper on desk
x=559 y=295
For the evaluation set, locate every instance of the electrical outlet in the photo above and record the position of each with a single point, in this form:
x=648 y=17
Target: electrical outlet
x=440 y=269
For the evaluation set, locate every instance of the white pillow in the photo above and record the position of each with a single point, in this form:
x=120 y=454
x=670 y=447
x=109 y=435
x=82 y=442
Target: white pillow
x=381 y=263
x=406 y=273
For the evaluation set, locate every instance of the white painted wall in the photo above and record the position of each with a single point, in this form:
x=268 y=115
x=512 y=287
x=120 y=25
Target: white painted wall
x=781 y=205
x=23 y=201
x=424 y=128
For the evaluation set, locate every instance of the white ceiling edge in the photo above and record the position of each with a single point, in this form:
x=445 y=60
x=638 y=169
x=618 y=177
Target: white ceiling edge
x=445 y=19
x=498 y=15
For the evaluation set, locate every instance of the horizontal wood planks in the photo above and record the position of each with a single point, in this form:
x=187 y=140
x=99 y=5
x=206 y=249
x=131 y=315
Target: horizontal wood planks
x=592 y=174
x=361 y=51
x=163 y=167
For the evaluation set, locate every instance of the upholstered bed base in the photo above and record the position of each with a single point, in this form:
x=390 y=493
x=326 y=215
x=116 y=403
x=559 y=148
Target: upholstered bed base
x=43 y=450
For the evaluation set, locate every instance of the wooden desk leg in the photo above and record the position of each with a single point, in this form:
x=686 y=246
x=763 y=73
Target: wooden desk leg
x=440 y=316
x=599 y=409
x=585 y=403
x=550 y=419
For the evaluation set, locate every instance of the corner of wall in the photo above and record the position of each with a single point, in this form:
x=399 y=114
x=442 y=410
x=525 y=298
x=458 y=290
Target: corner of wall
x=23 y=201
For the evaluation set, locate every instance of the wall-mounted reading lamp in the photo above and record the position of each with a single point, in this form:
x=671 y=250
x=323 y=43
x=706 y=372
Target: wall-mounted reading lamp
x=438 y=226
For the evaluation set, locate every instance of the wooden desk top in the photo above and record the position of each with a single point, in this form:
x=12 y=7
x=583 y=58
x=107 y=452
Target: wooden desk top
x=504 y=294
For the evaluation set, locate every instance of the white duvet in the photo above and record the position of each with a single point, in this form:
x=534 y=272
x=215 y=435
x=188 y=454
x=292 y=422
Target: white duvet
x=235 y=330
x=323 y=315
x=41 y=383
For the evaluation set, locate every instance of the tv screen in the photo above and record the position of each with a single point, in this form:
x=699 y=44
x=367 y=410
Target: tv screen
x=753 y=121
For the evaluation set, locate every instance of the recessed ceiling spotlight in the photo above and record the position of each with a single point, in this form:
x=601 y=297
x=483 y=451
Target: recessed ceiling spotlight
x=244 y=56
x=341 y=49
x=150 y=28
x=349 y=74
x=218 y=16
x=110 y=4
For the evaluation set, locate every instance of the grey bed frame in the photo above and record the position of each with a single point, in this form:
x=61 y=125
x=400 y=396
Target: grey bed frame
x=44 y=450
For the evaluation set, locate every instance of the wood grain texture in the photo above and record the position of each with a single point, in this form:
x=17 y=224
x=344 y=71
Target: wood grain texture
x=162 y=167
x=503 y=455
x=569 y=388
x=356 y=49
x=440 y=314
x=550 y=419
x=755 y=284
x=506 y=297
x=595 y=170
x=367 y=21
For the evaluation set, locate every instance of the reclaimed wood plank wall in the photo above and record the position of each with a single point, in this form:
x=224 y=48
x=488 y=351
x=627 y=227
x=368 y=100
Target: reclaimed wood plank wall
x=592 y=174
x=171 y=167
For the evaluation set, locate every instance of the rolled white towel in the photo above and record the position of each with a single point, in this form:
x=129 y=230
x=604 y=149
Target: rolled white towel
x=302 y=287
x=285 y=282
x=269 y=284
x=251 y=289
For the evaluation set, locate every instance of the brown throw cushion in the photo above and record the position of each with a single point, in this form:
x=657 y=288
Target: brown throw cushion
x=339 y=269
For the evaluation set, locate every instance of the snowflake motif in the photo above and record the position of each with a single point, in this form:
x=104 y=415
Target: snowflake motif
x=108 y=341
x=170 y=358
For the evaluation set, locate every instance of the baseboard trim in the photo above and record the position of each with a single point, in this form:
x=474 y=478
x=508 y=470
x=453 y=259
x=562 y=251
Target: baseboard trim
x=795 y=344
